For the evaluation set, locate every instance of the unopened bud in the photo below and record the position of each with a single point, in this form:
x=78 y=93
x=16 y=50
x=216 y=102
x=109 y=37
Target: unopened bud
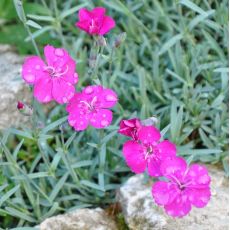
x=150 y=121
x=120 y=39
x=24 y=109
x=101 y=41
x=20 y=105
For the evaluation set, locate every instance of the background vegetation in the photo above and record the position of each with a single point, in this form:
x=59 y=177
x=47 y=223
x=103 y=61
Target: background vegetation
x=173 y=65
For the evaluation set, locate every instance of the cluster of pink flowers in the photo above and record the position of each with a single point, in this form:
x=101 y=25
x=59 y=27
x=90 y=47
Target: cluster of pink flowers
x=179 y=186
x=56 y=77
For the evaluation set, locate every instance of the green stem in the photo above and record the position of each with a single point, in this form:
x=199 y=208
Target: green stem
x=45 y=159
x=67 y=161
x=32 y=40
x=111 y=60
x=24 y=21
x=59 y=28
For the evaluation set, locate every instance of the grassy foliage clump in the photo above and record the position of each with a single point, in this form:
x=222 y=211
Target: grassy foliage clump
x=173 y=65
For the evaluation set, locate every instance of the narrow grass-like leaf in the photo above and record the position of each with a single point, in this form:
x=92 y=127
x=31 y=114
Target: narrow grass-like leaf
x=171 y=42
x=71 y=11
x=58 y=187
x=38 y=33
x=200 y=18
x=92 y=185
x=193 y=6
x=8 y=194
x=41 y=17
x=21 y=133
x=81 y=164
x=19 y=214
x=54 y=125
x=17 y=148
x=33 y=24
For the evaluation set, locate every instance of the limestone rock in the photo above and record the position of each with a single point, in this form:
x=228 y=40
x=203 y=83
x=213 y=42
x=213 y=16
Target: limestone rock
x=141 y=213
x=81 y=219
x=12 y=88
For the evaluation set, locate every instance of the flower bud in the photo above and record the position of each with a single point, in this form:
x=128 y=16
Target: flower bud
x=24 y=109
x=120 y=39
x=150 y=121
x=20 y=105
x=101 y=41
x=130 y=128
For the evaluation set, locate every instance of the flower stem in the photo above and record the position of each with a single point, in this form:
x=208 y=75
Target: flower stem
x=59 y=28
x=67 y=161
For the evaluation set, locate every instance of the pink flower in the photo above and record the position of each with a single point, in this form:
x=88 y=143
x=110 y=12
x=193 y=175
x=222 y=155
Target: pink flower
x=184 y=187
x=53 y=80
x=90 y=108
x=95 y=22
x=130 y=128
x=148 y=151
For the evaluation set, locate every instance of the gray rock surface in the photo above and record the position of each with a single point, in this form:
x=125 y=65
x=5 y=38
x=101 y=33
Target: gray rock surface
x=12 y=88
x=81 y=219
x=141 y=213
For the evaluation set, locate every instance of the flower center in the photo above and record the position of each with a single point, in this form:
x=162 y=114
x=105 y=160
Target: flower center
x=93 y=26
x=181 y=185
x=56 y=72
x=149 y=152
x=91 y=106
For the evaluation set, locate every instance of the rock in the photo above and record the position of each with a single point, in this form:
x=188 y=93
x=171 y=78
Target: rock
x=81 y=219
x=141 y=213
x=12 y=88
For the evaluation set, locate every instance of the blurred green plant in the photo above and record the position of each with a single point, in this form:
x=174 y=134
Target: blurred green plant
x=173 y=65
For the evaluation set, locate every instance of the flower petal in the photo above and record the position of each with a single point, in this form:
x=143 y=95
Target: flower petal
x=43 y=90
x=74 y=102
x=134 y=156
x=98 y=12
x=62 y=91
x=166 y=149
x=69 y=74
x=84 y=14
x=92 y=90
x=78 y=120
x=164 y=192
x=179 y=207
x=154 y=167
x=32 y=69
x=83 y=25
x=56 y=57
x=199 y=197
x=198 y=174
x=107 y=24
x=149 y=134
x=108 y=98
x=101 y=119
x=174 y=167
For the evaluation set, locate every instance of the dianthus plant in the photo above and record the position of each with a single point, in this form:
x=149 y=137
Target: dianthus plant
x=54 y=78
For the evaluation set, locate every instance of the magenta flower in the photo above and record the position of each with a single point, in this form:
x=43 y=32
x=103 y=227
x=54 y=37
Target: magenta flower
x=53 y=80
x=130 y=128
x=148 y=151
x=95 y=22
x=184 y=187
x=90 y=108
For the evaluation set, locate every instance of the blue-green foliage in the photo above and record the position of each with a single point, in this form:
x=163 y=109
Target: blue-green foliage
x=173 y=64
